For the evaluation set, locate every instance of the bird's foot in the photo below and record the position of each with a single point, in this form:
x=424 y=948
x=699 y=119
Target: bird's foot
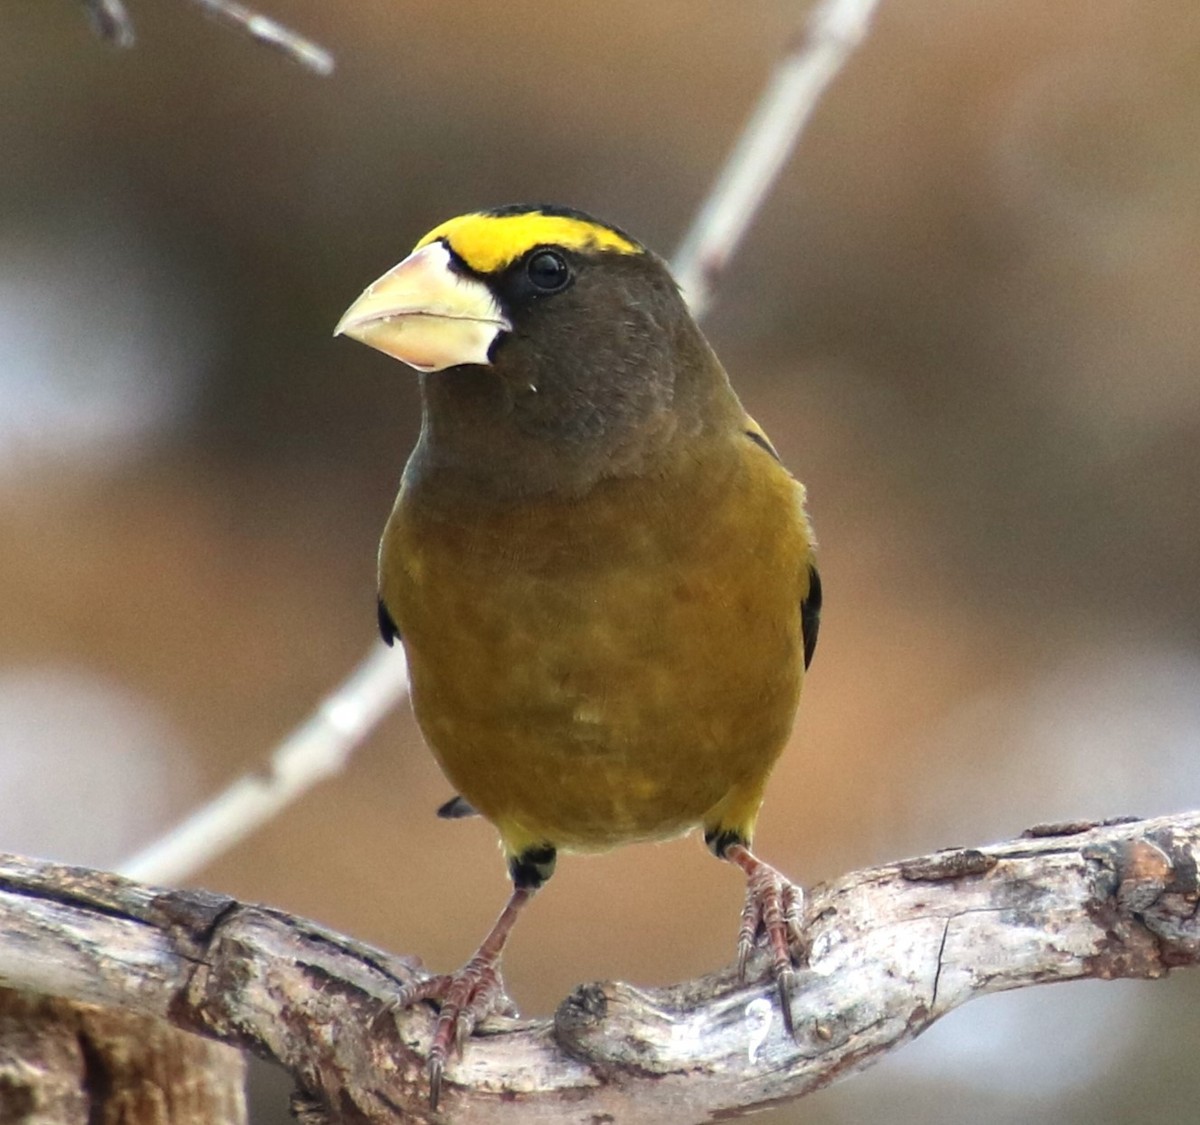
x=771 y=915
x=464 y=999
x=468 y=996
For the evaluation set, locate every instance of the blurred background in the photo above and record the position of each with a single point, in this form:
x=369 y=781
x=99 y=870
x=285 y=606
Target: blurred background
x=969 y=317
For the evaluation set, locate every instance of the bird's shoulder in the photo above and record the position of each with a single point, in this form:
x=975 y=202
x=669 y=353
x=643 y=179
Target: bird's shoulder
x=725 y=511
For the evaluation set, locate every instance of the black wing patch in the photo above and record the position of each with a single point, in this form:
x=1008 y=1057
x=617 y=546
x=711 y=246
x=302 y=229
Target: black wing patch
x=456 y=809
x=810 y=614
x=387 y=627
x=760 y=439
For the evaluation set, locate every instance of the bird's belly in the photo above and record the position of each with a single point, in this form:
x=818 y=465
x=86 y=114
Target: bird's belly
x=607 y=700
x=594 y=746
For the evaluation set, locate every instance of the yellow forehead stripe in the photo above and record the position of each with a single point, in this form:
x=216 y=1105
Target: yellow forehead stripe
x=489 y=243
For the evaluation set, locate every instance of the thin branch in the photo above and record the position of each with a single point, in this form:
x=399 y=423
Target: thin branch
x=270 y=33
x=835 y=28
x=317 y=749
x=890 y=950
x=110 y=20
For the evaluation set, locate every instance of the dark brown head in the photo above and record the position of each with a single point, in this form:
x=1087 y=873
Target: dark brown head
x=558 y=350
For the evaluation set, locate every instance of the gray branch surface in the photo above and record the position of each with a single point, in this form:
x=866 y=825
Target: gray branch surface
x=891 y=950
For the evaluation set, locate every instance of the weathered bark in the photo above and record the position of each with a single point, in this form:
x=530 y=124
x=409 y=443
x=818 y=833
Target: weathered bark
x=891 y=950
x=62 y=1062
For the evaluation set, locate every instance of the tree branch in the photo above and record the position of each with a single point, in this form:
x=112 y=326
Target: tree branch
x=833 y=31
x=891 y=949
x=317 y=749
x=111 y=21
x=61 y=1061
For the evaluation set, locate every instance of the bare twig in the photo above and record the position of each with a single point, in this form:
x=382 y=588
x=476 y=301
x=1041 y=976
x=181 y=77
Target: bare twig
x=270 y=33
x=890 y=950
x=835 y=28
x=316 y=750
x=110 y=20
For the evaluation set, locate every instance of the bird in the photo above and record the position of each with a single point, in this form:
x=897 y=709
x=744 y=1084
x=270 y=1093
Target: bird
x=601 y=573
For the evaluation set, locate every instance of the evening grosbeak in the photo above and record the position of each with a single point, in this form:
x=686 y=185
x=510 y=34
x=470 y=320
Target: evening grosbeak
x=600 y=571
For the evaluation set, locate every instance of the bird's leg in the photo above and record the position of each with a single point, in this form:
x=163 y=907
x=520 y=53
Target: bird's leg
x=468 y=995
x=773 y=908
x=476 y=990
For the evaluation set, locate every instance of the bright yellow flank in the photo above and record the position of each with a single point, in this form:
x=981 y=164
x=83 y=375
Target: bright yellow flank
x=489 y=243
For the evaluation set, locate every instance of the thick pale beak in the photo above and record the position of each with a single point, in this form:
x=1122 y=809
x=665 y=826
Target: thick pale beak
x=424 y=314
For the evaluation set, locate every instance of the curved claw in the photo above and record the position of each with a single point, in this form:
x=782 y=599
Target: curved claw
x=436 y=1067
x=785 y=980
x=465 y=998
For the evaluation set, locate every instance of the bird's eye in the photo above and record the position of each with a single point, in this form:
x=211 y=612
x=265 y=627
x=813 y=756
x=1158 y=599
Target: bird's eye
x=548 y=271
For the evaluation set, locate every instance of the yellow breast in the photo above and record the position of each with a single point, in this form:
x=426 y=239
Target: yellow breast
x=590 y=672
